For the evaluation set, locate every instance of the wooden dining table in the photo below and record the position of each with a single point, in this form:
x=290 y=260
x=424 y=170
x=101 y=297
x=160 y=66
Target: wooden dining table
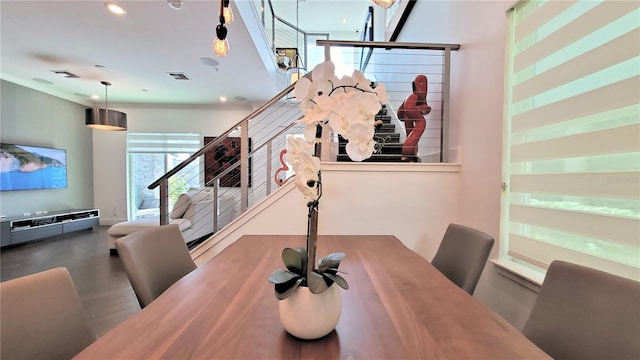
x=398 y=306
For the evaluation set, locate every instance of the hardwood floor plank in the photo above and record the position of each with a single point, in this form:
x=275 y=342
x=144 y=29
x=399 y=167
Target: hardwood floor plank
x=103 y=286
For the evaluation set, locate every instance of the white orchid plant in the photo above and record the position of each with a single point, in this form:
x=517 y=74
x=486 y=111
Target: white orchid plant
x=348 y=105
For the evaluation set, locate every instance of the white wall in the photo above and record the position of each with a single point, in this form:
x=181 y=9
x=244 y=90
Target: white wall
x=109 y=155
x=477 y=83
x=29 y=117
x=356 y=199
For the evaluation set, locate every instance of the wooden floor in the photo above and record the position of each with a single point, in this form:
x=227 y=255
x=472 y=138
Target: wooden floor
x=102 y=284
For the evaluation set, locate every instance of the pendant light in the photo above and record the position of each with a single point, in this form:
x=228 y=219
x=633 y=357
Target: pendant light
x=220 y=44
x=226 y=12
x=105 y=119
x=293 y=74
x=385 y=4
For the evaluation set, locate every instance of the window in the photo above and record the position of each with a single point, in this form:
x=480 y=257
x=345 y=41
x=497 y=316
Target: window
x=151 y=155
x=572 y=136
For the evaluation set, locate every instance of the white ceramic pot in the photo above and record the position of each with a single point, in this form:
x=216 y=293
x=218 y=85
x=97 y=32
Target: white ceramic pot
x=306 y=315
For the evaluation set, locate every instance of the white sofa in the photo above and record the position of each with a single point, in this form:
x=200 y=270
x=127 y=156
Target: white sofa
x=192 y=212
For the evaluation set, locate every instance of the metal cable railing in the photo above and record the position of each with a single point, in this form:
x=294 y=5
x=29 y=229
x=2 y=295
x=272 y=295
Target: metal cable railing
x=237 y=169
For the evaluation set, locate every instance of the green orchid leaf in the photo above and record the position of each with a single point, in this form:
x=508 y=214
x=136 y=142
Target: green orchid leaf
x=338 y=280
x=317 y=283
x=303 y=253
x=330 y=261
x=285 y=290
x=294 y=260
x=282 y=276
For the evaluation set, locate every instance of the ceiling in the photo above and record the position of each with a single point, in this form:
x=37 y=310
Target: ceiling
x=136 y=52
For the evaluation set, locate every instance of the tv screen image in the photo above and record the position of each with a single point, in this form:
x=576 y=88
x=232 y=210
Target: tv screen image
x=24 y=167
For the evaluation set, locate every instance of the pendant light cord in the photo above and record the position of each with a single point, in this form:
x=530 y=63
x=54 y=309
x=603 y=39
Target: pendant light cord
x=106 y=98
x=297 y=58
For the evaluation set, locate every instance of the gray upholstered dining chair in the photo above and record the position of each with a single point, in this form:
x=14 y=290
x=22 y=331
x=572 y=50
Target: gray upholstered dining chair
x=42 y=317
x=462 y=255
x=154 y=259
x=583 y=313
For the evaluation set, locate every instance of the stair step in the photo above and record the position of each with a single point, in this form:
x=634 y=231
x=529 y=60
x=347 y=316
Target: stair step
x=387 y=148
x=378 y=137
x=383 y=158
x=387 y=138
x=386 y=130
x=385 y=118
x=386 y=127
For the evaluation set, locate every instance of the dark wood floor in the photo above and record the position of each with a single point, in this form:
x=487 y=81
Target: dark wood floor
x=102 y=284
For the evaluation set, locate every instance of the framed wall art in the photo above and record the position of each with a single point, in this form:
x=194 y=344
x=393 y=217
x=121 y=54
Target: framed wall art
x=222 y=157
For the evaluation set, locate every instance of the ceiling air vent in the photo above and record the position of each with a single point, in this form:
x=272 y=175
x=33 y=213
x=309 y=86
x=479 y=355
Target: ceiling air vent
x=179 y=76
x=65 y=73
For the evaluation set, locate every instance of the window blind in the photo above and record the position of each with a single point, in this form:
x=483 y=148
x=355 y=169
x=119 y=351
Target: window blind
x=572 y=135
x=163 y=143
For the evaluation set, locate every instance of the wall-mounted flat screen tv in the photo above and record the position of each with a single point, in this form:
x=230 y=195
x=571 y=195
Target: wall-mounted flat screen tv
x=24 y=167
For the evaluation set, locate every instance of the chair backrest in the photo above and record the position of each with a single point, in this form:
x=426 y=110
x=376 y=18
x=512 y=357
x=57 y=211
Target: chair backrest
x=583 y=313
x=462 y=255
x=154 y=259
x=42 y=317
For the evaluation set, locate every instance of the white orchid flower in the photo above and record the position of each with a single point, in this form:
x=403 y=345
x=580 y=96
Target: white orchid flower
x=303 y=89
x=381 y=91
x=307 y=178
x=323 y=71
x=305 y=166
x=348 y=104
x=310 y=132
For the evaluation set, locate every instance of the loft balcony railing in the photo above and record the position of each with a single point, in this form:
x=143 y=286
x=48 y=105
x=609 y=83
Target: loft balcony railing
x=282 y=34
x=396 y=65
x=243 y=165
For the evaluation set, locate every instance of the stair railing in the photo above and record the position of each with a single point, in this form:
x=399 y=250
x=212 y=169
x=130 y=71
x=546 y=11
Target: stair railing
x=250 y=150
x=395 y=65
x=259 y=144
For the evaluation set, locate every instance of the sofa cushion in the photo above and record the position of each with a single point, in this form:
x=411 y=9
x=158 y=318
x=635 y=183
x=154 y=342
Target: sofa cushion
x=149 y=204
x=184 y=201
x=128 y=227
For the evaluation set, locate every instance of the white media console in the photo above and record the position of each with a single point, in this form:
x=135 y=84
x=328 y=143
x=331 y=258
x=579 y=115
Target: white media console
x=23 y=229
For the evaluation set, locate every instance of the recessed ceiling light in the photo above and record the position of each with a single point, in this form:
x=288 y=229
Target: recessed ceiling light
x=344 y=20
x=115 y=8
x=95 y=97
x=43 y=81
x=209 y=61
x=99 y=66
x=240 y=98
x=175 y=4
x=223 y=98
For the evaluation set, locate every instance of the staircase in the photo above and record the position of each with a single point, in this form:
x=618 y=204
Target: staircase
x=388 y=149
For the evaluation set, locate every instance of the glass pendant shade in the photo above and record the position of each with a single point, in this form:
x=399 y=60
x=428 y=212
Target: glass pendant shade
x=221 y=47
x=227 y=14
x=294 y=74
x=385 y=4
x=220 y=44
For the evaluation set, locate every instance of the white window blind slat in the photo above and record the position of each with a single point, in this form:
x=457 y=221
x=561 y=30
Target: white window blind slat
x=618 y=95
x=163 y=142
x=595 y=60
x=604 y=184
x=536 y=13
x=622 y=230
x=622 y=139
x=595 y=18
x=542 y=254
